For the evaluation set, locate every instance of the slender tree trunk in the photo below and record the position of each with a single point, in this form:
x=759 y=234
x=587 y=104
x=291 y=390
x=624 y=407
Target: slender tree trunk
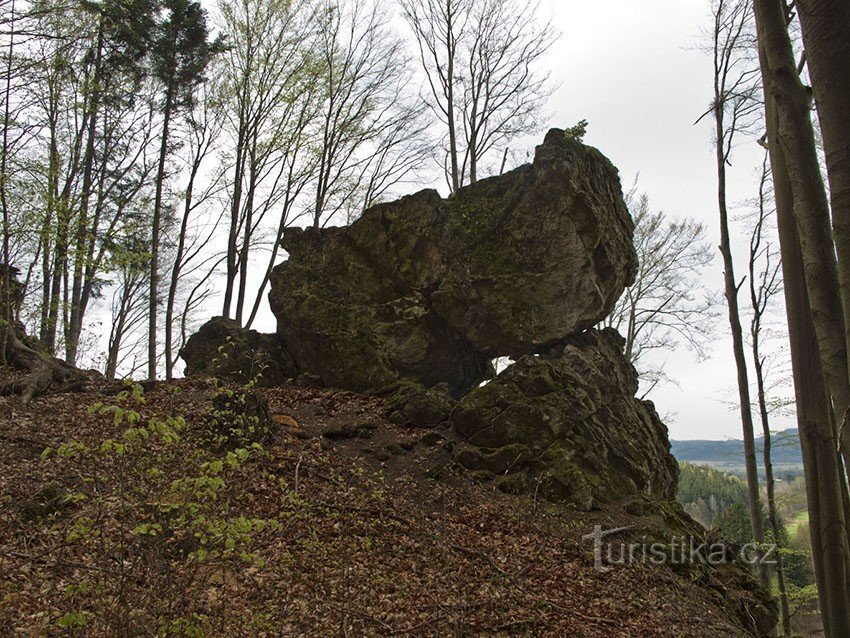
x=473 y=156
x=759 y=306
x=731 y=293
x=176 y=271
x=811 y=208
x=772 y=513
x=60 y=258
x=74 y=327
x=247 y=231
x=116 y=336
x=272 y=259
x=450 y=96
x=6 y=329
x=50 y=214
x=233 y=236
x=155 y=236
x=826 y=36
x=824 y=473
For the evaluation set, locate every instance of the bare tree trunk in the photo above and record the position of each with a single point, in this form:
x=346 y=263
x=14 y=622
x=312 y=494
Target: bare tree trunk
x=451 y=46
x=75 y=325
x=6 y=329
x=731 y=293
x=823 y=467
x=725 y=47
x=247 y=233
x=176 y=271
x=232 y=238
x=116 y=336
x=826 y=35
x=811 y=208
x=824 y=474
x=155 y=236
x=760 y=294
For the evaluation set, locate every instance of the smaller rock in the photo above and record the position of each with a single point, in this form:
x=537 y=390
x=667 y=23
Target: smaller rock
x=308 y=380
x=222 y=348
x=499 y=460
x=513 y=483
x=363 y=430
x=50 y=499
x=570 y=419
x=431 y=438
x=413 y=404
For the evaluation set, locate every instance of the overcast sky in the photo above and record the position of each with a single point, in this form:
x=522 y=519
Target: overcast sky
x=634 y=71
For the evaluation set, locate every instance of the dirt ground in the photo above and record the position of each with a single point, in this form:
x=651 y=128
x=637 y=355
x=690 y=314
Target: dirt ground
x=116 y=521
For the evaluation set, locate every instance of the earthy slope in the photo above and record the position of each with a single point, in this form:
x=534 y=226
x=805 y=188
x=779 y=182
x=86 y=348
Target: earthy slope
x=345 y=525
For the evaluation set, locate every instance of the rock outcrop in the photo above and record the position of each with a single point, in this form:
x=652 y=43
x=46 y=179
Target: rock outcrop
x=222 y=348
x=429 y=290
x=416 y=297
x=568 y=421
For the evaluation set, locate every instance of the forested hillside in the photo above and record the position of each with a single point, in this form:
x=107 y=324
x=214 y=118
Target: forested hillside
x=314 y=320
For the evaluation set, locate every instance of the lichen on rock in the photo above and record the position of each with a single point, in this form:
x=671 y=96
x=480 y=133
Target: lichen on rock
x=221 y=348
x=570 y=418
x=429 y=290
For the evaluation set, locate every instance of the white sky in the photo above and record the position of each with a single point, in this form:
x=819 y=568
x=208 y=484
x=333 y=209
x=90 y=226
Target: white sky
x=632 y=69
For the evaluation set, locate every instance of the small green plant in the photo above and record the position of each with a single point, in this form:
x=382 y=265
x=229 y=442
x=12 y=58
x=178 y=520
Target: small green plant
x=169 y=509
x=239 y=418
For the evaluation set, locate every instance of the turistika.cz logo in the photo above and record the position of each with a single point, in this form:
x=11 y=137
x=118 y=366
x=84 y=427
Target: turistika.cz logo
x=682 y=550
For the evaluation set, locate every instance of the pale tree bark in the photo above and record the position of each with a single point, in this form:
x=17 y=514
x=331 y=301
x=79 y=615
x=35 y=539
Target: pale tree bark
x=732 y=98
x=826 y=36
x=818 y=439
x=825 y=480
x=811 y=207
x=764 y=285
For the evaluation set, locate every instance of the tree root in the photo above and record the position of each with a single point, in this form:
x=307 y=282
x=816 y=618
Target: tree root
x=43 y=373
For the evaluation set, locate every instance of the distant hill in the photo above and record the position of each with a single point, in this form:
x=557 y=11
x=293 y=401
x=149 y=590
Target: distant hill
x=785 y=450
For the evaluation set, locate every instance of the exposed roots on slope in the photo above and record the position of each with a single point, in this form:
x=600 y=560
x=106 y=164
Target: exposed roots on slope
x=42 y=373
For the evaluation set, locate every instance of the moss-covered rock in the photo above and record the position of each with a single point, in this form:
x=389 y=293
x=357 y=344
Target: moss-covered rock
x=50 y=499
x=413 y=404
x=428 y=290
x=573 y=413
x=221 y=348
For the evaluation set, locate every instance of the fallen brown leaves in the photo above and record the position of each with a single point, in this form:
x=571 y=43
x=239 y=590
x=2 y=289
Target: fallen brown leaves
x=364 y=543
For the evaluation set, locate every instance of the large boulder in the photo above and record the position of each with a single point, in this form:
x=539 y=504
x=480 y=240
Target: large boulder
x=568 y=421
x=429 y=290
x=222 y=348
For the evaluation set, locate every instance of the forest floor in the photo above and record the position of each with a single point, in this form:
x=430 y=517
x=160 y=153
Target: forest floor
x=115 y=521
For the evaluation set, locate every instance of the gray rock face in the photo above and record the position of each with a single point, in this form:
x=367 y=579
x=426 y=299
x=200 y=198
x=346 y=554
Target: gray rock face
x=222 y=348
x=570 y=418
x=418 y=295
x=428 y=290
